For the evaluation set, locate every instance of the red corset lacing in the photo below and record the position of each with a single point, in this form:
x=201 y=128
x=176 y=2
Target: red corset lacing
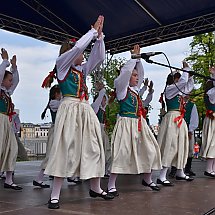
x=182 y=110
x=10 y=109
x=140 y=112
x=11 y=115
x=83 y=88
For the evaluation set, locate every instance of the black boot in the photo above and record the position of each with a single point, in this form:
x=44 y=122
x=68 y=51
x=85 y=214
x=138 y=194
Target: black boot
x=188 y=170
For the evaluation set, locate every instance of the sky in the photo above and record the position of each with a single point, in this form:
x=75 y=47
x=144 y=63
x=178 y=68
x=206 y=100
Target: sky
x=35 y=59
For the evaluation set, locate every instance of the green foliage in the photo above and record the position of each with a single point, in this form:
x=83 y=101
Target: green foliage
x=111 y=116
x=202 y=56
x=112 y=71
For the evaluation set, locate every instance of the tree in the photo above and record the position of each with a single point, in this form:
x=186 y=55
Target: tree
x=202 y=56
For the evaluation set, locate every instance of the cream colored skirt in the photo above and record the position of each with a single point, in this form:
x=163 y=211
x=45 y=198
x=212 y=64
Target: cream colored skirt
x=208 y=138
x=8 y=145
x=48 y=147
x=77 y=148
x=134 y=152
x=173 y=141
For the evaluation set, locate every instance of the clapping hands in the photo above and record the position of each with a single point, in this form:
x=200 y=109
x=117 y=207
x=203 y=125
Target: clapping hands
x=149 y=84
x=4 y=54
x=13 y=61
x=136 y=49
x=98 y=25
x=146 y=82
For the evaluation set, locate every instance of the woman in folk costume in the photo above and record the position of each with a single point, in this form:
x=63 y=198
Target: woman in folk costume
x=99 y=106
x=134 y=148
x=192 y=119
x=77 y=149
x=55 y=97
x=208 y=132
x=173 y=133
x=8 y=143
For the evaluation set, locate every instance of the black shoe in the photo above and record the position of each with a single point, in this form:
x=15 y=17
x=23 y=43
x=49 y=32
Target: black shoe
x=52 y=205
x=186 y=178
x=190 y=172
x=165 y=183
x=35 y=183
x=74 y=181
x=12 y=186
x=104 y=196
x=209 y=174
x=113 y=193
x=51 y=177
x=156 y=188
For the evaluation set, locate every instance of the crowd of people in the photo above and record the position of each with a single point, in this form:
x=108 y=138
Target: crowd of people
x=78 y=146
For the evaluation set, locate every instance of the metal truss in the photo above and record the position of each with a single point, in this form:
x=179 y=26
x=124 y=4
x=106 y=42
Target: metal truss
x=178 y=30
x=146 y=38
x=32 y=30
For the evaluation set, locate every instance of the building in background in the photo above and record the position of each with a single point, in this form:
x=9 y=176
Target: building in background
x=34 y=138
x=30 y=130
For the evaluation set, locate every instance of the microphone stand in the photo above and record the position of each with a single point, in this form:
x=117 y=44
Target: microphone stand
x=190 y=72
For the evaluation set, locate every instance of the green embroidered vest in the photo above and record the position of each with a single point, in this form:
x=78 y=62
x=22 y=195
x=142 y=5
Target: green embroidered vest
x=5 y=103
x=128 y=107
x=208 y=104
x=188 y=108
x=74 y=85
x=173 y=104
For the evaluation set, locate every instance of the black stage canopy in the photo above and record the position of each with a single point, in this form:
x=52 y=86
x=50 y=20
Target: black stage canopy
x=127 y=22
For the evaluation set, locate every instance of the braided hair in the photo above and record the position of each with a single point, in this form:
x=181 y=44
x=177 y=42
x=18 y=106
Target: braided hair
x=55 y=89
x=170 y=80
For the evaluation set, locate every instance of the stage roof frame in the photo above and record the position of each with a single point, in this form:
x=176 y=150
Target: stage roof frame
x=127 y=22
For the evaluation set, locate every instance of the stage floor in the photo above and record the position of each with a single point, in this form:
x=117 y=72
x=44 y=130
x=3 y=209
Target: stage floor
x=190 y=198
